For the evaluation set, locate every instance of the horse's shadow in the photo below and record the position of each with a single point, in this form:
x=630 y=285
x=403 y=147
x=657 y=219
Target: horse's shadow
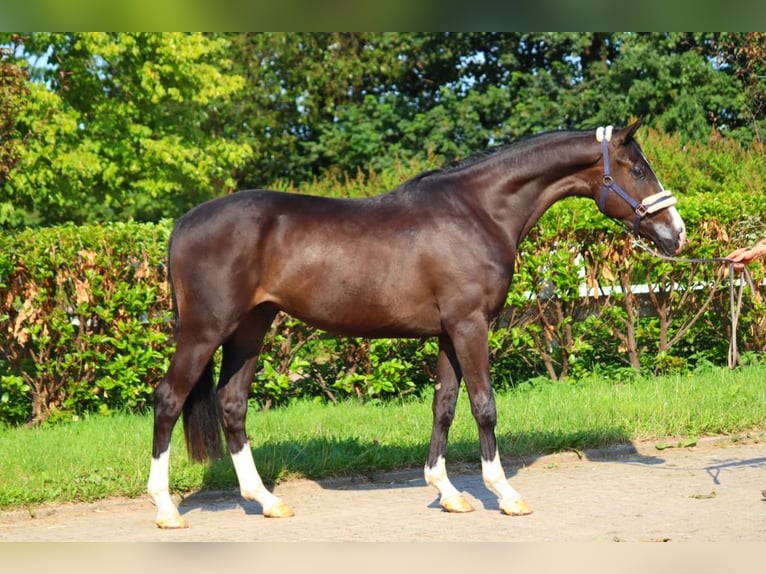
x=356 y=457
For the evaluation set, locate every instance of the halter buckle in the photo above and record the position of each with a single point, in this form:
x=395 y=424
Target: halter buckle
x=641 y=210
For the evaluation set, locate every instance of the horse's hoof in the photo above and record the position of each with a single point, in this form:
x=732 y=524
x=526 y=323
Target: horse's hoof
x=171 y=522
x=515 y=507
x=456 y=504
x=278 y=510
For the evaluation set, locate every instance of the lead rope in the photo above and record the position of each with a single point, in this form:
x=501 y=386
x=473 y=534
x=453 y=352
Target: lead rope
x=735 y=294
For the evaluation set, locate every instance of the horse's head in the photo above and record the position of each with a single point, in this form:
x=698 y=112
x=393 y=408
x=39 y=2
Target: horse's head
x=631 y=193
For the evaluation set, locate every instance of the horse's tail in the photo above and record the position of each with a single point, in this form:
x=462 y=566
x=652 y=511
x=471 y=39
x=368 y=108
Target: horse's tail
x=202 y=419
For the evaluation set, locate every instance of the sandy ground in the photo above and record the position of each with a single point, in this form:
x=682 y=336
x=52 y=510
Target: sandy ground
x=709 y=492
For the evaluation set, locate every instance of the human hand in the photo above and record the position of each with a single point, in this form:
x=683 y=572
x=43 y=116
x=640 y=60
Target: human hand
x=744 y=255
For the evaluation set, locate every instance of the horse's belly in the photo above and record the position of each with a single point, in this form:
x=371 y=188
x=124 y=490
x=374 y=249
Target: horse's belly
x=363 y=312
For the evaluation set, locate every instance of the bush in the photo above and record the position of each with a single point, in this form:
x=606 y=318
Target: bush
x=86 y=311
x=85 y=318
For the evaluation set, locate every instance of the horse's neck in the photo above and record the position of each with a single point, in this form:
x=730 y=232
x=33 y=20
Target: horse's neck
x=524 y=190
x=545 y=196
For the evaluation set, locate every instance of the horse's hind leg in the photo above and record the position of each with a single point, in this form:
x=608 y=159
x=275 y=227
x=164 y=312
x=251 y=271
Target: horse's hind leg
x=239 y=362
x=445 y=398
x=189 y=364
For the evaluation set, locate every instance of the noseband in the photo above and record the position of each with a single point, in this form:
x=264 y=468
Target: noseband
x=646 y=206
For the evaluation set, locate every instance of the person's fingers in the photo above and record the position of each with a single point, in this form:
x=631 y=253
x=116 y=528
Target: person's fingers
x=738 y=254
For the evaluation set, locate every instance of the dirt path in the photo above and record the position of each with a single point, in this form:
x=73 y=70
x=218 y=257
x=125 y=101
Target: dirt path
x=710 y=492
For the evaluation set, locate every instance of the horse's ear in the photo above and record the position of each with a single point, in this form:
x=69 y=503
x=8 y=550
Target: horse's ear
x=626 y=133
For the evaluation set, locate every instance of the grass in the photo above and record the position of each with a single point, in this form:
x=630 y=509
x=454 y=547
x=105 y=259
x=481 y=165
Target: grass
x=98 y=457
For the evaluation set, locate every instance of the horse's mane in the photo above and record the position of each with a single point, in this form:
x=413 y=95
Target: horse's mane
x=515 y=151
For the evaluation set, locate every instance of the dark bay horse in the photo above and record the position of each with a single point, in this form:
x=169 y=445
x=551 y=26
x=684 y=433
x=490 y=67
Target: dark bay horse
x=432 y=258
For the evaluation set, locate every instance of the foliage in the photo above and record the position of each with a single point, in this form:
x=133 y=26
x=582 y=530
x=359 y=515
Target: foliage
x=145 y=125
x=85 y=319
x=339 y=102
x=86 y=311
x=300 y=362
x=13 y=93
x=118 y=126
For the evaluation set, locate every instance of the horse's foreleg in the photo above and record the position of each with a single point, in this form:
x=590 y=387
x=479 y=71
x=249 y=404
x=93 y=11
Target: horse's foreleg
x=470 y=341
x=509 y=500
x=445 y=398
x=239 y=362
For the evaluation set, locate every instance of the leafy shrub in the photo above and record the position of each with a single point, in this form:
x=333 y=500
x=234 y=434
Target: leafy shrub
x=86 y=311
x=85 y=316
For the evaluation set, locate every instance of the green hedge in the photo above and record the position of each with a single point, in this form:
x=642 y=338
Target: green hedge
x=86 y=318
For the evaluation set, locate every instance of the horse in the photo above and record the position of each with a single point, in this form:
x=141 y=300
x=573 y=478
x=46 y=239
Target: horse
x=434 y=257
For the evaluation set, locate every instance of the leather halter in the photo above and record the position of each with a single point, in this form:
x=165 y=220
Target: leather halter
x=646 y=206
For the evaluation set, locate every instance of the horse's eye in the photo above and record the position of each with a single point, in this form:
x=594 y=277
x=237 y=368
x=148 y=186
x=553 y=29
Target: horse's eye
x=638 y=172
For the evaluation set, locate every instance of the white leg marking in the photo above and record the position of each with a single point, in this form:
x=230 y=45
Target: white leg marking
x=159 y=492
x=437 y=477
x=449 y=497
x=251 y=486
x=494 y=478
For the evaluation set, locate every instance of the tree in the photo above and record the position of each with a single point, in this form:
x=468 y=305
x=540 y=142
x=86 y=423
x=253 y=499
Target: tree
x=142 y=126
x=122 y=126
x=315 y=103
x=320 y=101
x=743 y=55
x=13 y=92
x=671 y=81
